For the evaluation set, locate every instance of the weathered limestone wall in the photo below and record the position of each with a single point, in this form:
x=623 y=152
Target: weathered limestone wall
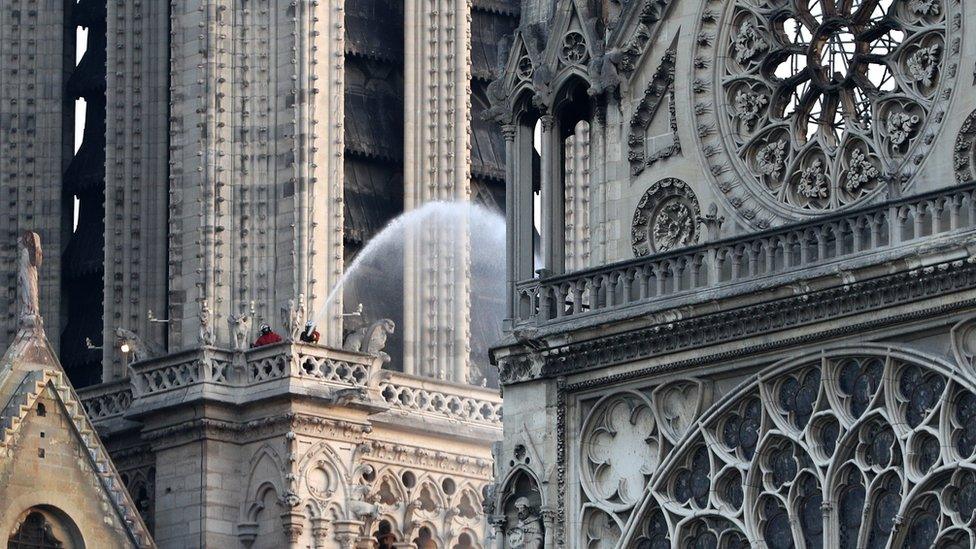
x=62 y=478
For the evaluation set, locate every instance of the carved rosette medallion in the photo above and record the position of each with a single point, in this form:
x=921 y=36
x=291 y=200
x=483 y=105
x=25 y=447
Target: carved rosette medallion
x=805 y=107
x=666 y=218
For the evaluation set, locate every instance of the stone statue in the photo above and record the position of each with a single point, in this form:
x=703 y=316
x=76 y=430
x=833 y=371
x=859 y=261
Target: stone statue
x=293 y=317
x=371 y=339
x=206 y=326
x=28 y=263
x=139 y=349
x=527 y=532
x=240 y=329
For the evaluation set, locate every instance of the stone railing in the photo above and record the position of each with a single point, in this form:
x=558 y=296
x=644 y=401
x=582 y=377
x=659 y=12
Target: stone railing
x=260 y=365
x=285 y=367
x=181 y=370
x=417 y=395
x=107 y=400
x=856 y=235
x=332 y=366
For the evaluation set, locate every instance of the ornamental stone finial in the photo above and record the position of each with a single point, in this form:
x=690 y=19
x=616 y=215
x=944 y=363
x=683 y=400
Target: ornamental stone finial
x=29 y=258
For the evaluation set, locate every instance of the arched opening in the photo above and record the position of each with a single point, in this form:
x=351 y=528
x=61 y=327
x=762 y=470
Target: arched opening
x=464 y=542
x=571 y=114
x=521 y=503
x=425 y=539
x=522 y=195
x=385 y=536
x=44 y=527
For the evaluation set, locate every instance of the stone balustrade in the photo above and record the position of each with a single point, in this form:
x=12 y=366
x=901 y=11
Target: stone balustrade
x=107 y=400
x=276 y=366
x=331 y=366
x=418 y=395
x=846 y=239
x=181 y=370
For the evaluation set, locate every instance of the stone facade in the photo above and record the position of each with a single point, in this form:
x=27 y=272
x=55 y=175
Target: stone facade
x=770 y=343
x=235 y=156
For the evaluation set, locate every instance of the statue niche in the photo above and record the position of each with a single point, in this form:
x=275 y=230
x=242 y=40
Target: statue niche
x=523 y=526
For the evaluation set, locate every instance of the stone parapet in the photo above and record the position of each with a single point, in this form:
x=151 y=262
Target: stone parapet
x=725 y=268
x=413 y=395
x=337 y=376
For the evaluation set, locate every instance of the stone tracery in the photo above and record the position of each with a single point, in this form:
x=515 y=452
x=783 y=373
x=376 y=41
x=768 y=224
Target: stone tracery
x=820 y=100
x=666 y=218
x=837 y=449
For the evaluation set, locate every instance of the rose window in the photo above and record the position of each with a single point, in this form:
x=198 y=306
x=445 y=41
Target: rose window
x=820 y=100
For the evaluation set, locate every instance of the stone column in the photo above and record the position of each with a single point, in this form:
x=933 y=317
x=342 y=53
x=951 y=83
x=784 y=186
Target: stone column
x=437 y=81
x=509 y=132
x=347 y=532
x=553 y=206
x=577 y=198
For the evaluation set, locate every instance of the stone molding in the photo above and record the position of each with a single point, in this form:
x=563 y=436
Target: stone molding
x=806 y=309
x=901 y=228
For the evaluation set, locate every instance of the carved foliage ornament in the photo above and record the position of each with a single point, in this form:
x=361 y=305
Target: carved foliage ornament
x=858 y=448
x=666 y=218
x=964 y=157
x=659 y=90
x=816 y=101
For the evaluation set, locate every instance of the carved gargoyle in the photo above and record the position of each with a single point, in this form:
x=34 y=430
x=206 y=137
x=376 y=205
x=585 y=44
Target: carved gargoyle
x=371 y=339
x=359 y=504
x=240 y=329
x=139 y=349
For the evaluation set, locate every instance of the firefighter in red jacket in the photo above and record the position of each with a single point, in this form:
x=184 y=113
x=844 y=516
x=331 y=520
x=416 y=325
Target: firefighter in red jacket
x=267 y=337
x=310 y=335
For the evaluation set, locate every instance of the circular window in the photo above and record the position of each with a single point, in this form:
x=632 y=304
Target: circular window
x=817 y=101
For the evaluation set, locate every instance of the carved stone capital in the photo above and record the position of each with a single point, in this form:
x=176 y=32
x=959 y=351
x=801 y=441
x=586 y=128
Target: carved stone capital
x=509 y=131
x=291 y=524
x=247 y=532
x=320 y=532
x=548 y=122
x=347 y=532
